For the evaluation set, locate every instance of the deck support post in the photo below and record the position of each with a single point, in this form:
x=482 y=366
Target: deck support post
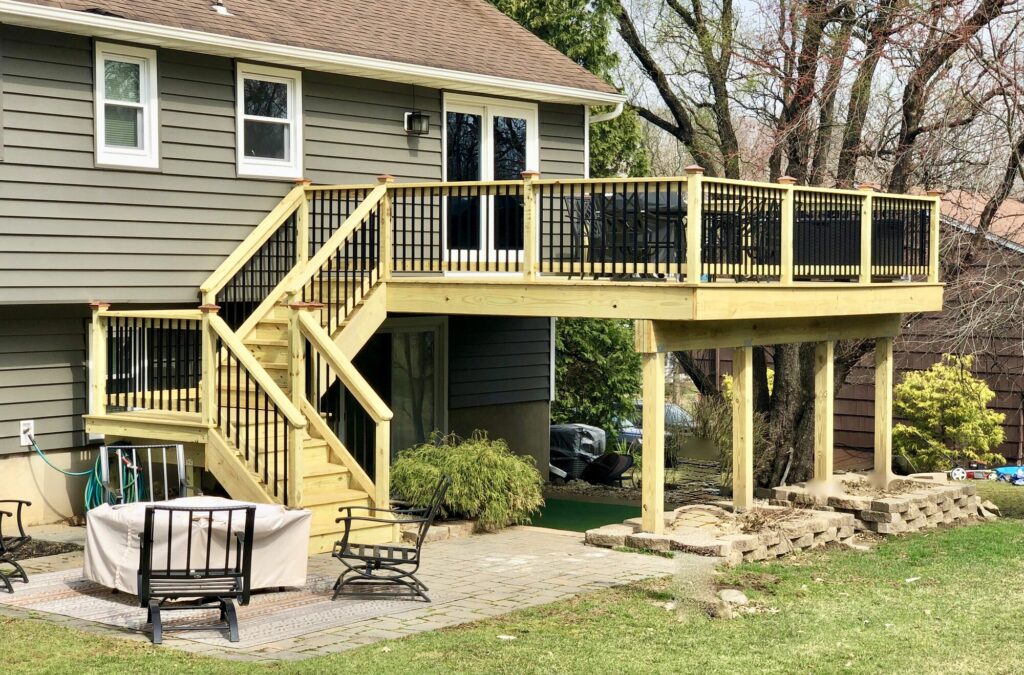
x=743 y=428
x=933 y=236
x=98 y=359
x=866 y=209
x=530 y=244
x=824 y=410
x=883 y=411
x=302 y=224
x=694 y=201
x=386 y=231
x=653 y=464
x=297 y=392
x=786 y=234
x=382 y=465
x=208 y=383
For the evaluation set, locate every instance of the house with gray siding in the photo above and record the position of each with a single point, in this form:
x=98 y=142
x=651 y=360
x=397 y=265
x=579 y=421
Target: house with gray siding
x=142 y=142
x=299 y=237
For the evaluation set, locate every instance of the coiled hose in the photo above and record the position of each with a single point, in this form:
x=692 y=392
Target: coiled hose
x=133 y=491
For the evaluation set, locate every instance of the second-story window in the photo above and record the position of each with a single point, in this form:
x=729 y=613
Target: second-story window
x=126 y=106
x=269 y=124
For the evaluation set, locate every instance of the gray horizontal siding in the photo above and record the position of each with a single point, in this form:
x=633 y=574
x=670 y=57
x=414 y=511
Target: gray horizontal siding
x=562 y=141
x=498 y=360
x=42 y=375
x=72 y=232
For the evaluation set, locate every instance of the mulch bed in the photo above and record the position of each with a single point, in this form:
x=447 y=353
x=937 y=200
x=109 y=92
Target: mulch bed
x=40 y=549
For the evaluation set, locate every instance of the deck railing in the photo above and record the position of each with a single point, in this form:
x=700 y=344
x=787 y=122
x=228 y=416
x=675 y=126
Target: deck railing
x=153 y=360
x=691 y=228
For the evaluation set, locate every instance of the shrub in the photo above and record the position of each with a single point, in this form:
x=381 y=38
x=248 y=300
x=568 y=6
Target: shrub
x=948 y=421
x=712 y=423
x=597 y=373
x=490 y=483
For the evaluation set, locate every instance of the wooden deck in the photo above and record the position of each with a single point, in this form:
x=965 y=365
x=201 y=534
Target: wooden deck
x=696 y=261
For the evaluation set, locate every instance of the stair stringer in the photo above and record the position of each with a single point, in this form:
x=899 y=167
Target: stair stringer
x=225 y=463
x=363 y=321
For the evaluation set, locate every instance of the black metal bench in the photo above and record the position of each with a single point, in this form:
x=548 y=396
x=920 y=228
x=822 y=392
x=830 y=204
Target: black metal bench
x=209 y=569
x=386 y=564
x=9 y=545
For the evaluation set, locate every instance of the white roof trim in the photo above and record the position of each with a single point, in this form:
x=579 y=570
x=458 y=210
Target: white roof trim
x=115 y=28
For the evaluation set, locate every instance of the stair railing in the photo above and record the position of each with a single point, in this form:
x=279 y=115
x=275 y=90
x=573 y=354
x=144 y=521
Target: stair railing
x=327 y=362
x=252 y=411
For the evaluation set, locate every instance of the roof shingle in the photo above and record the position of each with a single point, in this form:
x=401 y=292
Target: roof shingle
x=469 y=36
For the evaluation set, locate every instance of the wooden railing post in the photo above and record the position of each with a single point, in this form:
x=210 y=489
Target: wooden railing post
x=530 y=243
x=386 y=229
x=302 y=224
x=208 y=383
x=382 y=465
x=933 y=236
x=786 y=235
x=694 y=175
x=296 y=391
x=865 y=233
x=98 y=359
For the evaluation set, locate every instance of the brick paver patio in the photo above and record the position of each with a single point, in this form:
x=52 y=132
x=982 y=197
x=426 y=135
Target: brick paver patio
x=469 y=579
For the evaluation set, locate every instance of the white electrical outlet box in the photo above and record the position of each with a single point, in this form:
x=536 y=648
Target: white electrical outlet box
x=26 y=430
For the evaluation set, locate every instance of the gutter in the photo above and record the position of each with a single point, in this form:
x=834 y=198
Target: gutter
x=610 y=115
x=184 y=39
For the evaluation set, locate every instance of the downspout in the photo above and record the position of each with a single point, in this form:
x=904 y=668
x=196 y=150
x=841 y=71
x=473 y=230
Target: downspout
x=610 y=115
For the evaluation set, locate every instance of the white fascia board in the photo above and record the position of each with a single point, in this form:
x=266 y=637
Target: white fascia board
x=169 y=37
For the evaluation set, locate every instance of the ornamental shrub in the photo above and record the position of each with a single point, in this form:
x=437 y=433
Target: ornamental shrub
x=948 y=422
x=490 y=483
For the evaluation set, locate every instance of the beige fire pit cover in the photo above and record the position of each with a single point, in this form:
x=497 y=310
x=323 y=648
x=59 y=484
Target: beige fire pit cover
x=279 y=550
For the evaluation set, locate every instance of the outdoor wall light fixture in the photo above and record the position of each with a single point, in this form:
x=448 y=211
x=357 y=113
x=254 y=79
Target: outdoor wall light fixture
x=417 y=123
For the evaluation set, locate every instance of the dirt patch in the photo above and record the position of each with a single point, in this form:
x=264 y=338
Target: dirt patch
x=758 y=520
x=859 y=488
x=40 y=549
x=675 y=494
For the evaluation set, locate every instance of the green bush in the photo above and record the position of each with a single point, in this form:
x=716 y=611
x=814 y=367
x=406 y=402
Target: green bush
x=948 y=421
x=490 y=484
x=597 y=373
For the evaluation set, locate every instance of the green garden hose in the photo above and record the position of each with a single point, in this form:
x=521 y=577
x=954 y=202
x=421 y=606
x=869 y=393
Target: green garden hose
x=133 y=491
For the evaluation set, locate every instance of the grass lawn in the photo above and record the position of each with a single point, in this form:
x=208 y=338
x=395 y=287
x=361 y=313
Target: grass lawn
x=1009 y=498
x=942 y=602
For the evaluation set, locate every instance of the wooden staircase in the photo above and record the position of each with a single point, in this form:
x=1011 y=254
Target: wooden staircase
x=253 y=406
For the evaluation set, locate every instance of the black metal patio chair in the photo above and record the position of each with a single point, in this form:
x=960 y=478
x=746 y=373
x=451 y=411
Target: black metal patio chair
x=9 y=544
x=209 y=568
x=386 y=564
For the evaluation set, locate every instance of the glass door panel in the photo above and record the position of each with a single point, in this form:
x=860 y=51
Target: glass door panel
x=465 y=147
x=510 y=147
x=414 y=387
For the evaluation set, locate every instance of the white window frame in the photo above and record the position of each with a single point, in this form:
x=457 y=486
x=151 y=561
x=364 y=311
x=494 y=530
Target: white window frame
x=264 y=167
x=148 y=156
x=488 y=108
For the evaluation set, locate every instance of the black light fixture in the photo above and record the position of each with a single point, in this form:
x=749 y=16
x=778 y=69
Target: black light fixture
x=416 y=122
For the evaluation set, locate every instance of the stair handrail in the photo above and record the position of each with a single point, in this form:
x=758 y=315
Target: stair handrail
x=234 y=345
x=350 y=377
x=251 y=244
x=364 y=393
x=336 y=240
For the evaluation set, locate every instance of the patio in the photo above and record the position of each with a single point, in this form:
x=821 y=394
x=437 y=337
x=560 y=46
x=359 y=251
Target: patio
x=470 y=579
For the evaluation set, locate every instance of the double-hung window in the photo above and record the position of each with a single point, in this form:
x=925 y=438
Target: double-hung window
x=269 y=122
x=127 y=124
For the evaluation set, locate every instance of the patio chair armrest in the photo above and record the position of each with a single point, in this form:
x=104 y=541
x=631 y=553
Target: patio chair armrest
x=16 y=501
x=6 y=513
x=371 y=508
x=370 y=519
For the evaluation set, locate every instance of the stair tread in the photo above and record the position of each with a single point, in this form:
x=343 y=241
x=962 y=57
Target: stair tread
x=323 y=496
x=264 y=342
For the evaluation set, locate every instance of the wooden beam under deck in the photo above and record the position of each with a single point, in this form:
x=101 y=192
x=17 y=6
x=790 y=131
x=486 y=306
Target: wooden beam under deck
x=660 y=301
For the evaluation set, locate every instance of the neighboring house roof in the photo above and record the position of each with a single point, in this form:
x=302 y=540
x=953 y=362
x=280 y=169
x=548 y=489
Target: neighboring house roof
x=460 y=44
x=1007 y=227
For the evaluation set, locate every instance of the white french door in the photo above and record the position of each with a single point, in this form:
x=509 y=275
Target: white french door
x=486 y=139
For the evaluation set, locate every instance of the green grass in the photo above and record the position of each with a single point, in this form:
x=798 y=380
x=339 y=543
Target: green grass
x=942 y=602
x=579 y=516
x=1009 y=498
